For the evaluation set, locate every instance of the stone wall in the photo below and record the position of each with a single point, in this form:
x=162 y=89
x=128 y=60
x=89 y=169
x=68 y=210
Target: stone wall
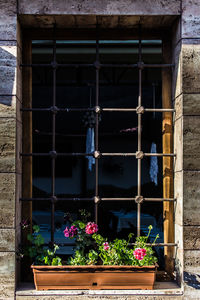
x=186 y=98
x=10 y=127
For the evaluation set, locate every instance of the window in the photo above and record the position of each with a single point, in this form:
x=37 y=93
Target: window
x=99 y=117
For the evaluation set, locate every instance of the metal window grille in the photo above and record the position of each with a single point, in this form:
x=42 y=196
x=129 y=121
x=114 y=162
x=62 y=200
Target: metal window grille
x=139 y=154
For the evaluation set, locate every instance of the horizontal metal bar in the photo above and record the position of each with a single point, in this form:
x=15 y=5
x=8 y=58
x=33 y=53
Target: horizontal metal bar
x=117 y=154
x=158 y=244
x=100 y=154
x=159 y=110
x=99 y=65
x=101 y=109
x=57 y=199
x=93 y=199
x=56 y=154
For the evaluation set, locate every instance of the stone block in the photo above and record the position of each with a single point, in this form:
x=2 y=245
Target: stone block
x=192 y=261
x=7 y=144
x=178 y=144
x=7 y=239
x=178 y=105
x=7 y=200
x=7 y=275
x=8 y=20
x=191 y=196
x=191 y=142
x=191 y=104
x=10 y=107
x=104 y=7
x=190 y=66
x=179 y=235
x=191 y=237
x=190 y=19
x=178 y=194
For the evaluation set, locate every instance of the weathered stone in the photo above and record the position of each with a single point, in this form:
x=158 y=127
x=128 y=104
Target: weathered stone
x=179 y=265
x=8 y=20
x=7 y=144
x=7 y=239
x=191 y=197
x=191 y=237
x=191 y=137
x=7 y=200
x=190 y=19
x=179 y=235
x=7 y=275
x=192 y=261
x=81 y=297
x=10 y=107
x=104 y=7
x=178 y=194
x=190 y=67
x=191 y=104
x=178 y=144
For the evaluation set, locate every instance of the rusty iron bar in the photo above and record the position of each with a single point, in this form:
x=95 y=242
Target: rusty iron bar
x=55 y=199
x=54 y=153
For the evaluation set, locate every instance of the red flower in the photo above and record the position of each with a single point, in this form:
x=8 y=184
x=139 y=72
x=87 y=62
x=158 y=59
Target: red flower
x=91 y=228
x=139 y=253
x=106 y=246
x=70 y=232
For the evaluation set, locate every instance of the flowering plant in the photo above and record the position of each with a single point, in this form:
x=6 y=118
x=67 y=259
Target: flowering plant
x=92 y=248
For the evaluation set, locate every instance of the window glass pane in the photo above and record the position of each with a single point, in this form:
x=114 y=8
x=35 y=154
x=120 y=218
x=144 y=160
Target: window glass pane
x=118 y=132
x=41 y=177
x=74 y=178
x=117 y=177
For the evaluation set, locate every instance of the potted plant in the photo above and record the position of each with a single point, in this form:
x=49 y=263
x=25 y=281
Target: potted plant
x=96 y=264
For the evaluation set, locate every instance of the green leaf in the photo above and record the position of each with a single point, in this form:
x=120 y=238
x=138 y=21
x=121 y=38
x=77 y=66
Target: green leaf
x=36 y=228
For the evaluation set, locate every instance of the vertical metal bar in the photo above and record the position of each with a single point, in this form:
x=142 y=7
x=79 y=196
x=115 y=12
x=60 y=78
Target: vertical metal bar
x=53 y=144
x=139 y=136
x=97 y=130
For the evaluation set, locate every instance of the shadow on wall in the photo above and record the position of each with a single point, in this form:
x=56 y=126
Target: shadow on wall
x=192 y=280
x=8 y=69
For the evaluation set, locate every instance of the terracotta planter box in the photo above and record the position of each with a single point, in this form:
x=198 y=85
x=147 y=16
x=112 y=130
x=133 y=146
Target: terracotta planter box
x=93 y=277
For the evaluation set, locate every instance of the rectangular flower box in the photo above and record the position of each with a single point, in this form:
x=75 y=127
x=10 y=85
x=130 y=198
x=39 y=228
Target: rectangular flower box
x=94 y=277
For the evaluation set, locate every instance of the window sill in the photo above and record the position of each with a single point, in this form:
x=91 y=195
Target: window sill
x=161 y=288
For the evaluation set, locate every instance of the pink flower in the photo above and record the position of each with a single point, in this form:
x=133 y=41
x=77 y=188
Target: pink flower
x=139 y=253
x=106 y=246
x=70 y=232
x=91 y=228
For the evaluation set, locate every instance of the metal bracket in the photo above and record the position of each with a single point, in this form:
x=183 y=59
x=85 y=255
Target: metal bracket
x=96 y=199
x=140 y=65
x=54 y=109
x=53 y=154
x=97 y=109
x=140 y=109
x=96 y=154
x=139 y=199
x=54 y=199
x=54 y=65
x=139 y=155
x=97 y=64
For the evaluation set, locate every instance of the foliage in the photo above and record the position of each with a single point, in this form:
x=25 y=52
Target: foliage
x=92 y=248
x=37 y=251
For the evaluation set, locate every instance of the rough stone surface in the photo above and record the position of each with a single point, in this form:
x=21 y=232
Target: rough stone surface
x=178 y=194
x=7 y=239
x=191 y=237
x=190 y=19
x=104 y=7
x=191 y=197
x=177 y=72
x=7 y=276
x=191 y=137
x=10 y=107
x=7 y=200
x=8 y=20
x=191 y=104
x=7 y=144
x=192 y=261
x=136 y=297
x=190 y=67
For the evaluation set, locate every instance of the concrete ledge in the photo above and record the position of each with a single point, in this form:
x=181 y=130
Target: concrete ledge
x=161 y=288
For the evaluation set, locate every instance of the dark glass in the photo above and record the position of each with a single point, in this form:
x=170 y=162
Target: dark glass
x=152 y=177
x=42 y=51
x=117 y=177
x=117 y=219
x=118 y=132
x=41 y=177
x=73 y=178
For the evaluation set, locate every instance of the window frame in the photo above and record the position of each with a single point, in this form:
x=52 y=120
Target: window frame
x=167 y=126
